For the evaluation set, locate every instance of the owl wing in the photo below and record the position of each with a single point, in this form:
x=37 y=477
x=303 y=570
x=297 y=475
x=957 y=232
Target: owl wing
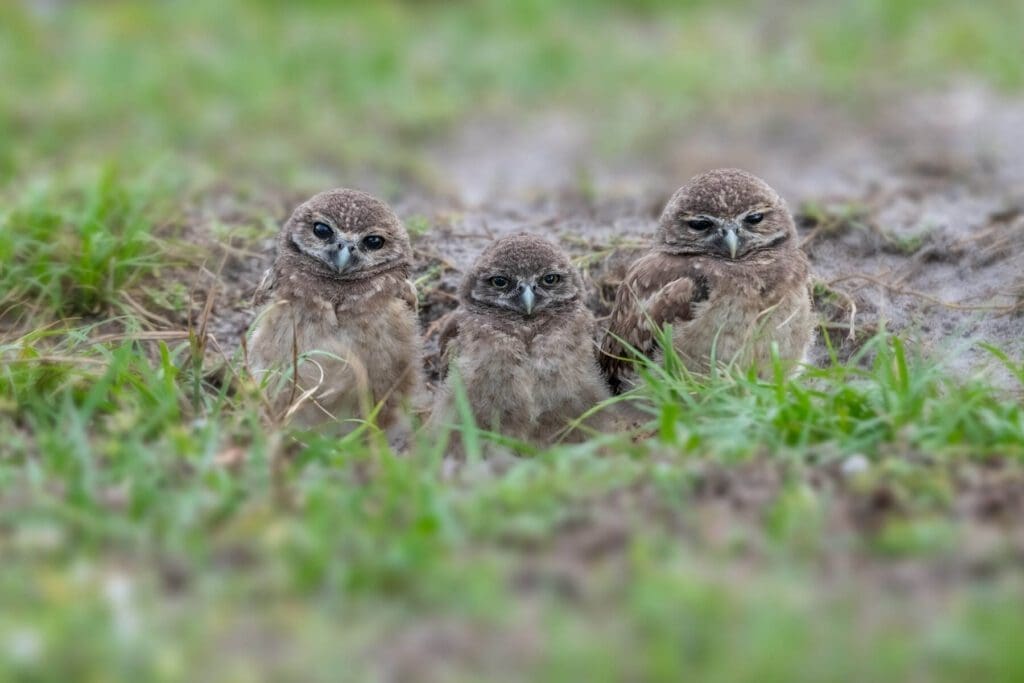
x=408 y=294
x=658 y=289
x=265 y=290
x=445 y=343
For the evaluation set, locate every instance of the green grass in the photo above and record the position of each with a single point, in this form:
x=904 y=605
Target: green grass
x=881 y=396
x=71 y=248
x=117 y=475
x=153 y=525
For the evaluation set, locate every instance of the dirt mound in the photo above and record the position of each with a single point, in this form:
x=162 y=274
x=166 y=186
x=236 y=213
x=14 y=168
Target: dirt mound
x=911 y=211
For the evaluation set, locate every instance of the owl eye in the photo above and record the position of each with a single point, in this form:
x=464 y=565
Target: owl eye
x=753 y=218
x=499 y=282
x=323 y=231
x=700 y=223
x=373 y=242
x=551 y=279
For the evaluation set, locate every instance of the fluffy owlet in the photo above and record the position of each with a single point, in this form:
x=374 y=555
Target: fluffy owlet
x=339 y=299
x=521 y=342
x=726 y=272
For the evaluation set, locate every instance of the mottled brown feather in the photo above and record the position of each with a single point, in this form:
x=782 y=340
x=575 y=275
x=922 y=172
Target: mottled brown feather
x=355 y=328
x=658 y=289
x=446 y=348
x=526 y=373
x=709 y=295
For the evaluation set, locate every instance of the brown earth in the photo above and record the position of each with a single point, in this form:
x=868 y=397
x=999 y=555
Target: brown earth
x=911 y=211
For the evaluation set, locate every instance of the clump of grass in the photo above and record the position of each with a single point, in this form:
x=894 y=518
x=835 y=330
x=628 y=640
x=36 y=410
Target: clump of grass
x=72 y=251
x=114 y=458
x=417 y=225
x=886 y=394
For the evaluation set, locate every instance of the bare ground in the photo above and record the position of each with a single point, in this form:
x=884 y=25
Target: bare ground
x=912 y=211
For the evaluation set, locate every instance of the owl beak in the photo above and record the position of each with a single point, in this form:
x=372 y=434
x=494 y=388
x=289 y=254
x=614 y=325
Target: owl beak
x=342 y=258
x=732 y=241
x=526 y=296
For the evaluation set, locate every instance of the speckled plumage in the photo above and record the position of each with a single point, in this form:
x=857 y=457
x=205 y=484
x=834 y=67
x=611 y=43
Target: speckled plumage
x=527 y=373
x=728 y=297
x=351 y=321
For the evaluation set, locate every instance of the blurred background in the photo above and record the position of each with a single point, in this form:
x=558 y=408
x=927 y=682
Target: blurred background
x=264 y=89
x=148 y=152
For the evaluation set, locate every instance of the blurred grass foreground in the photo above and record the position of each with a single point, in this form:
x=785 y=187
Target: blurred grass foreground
x=154 y=527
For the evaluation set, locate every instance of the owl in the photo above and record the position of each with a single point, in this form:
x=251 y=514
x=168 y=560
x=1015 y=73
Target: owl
x=338 y=335
x=726 y=272
x=522 y=343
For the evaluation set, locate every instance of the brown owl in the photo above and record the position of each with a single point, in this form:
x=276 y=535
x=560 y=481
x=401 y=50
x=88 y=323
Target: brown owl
x=521 y=342
x=726 y=272
x=338 y=300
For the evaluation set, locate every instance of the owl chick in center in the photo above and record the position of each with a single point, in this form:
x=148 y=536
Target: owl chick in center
x=521 y=343
x=338 y=335
x=726 y=272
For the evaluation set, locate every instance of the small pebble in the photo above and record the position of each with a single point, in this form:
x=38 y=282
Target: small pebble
x=855 y=464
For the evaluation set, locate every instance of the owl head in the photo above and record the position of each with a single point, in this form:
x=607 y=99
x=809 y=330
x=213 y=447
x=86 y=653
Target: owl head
x=522 y=275
x=727 y=214
x=345 y=235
